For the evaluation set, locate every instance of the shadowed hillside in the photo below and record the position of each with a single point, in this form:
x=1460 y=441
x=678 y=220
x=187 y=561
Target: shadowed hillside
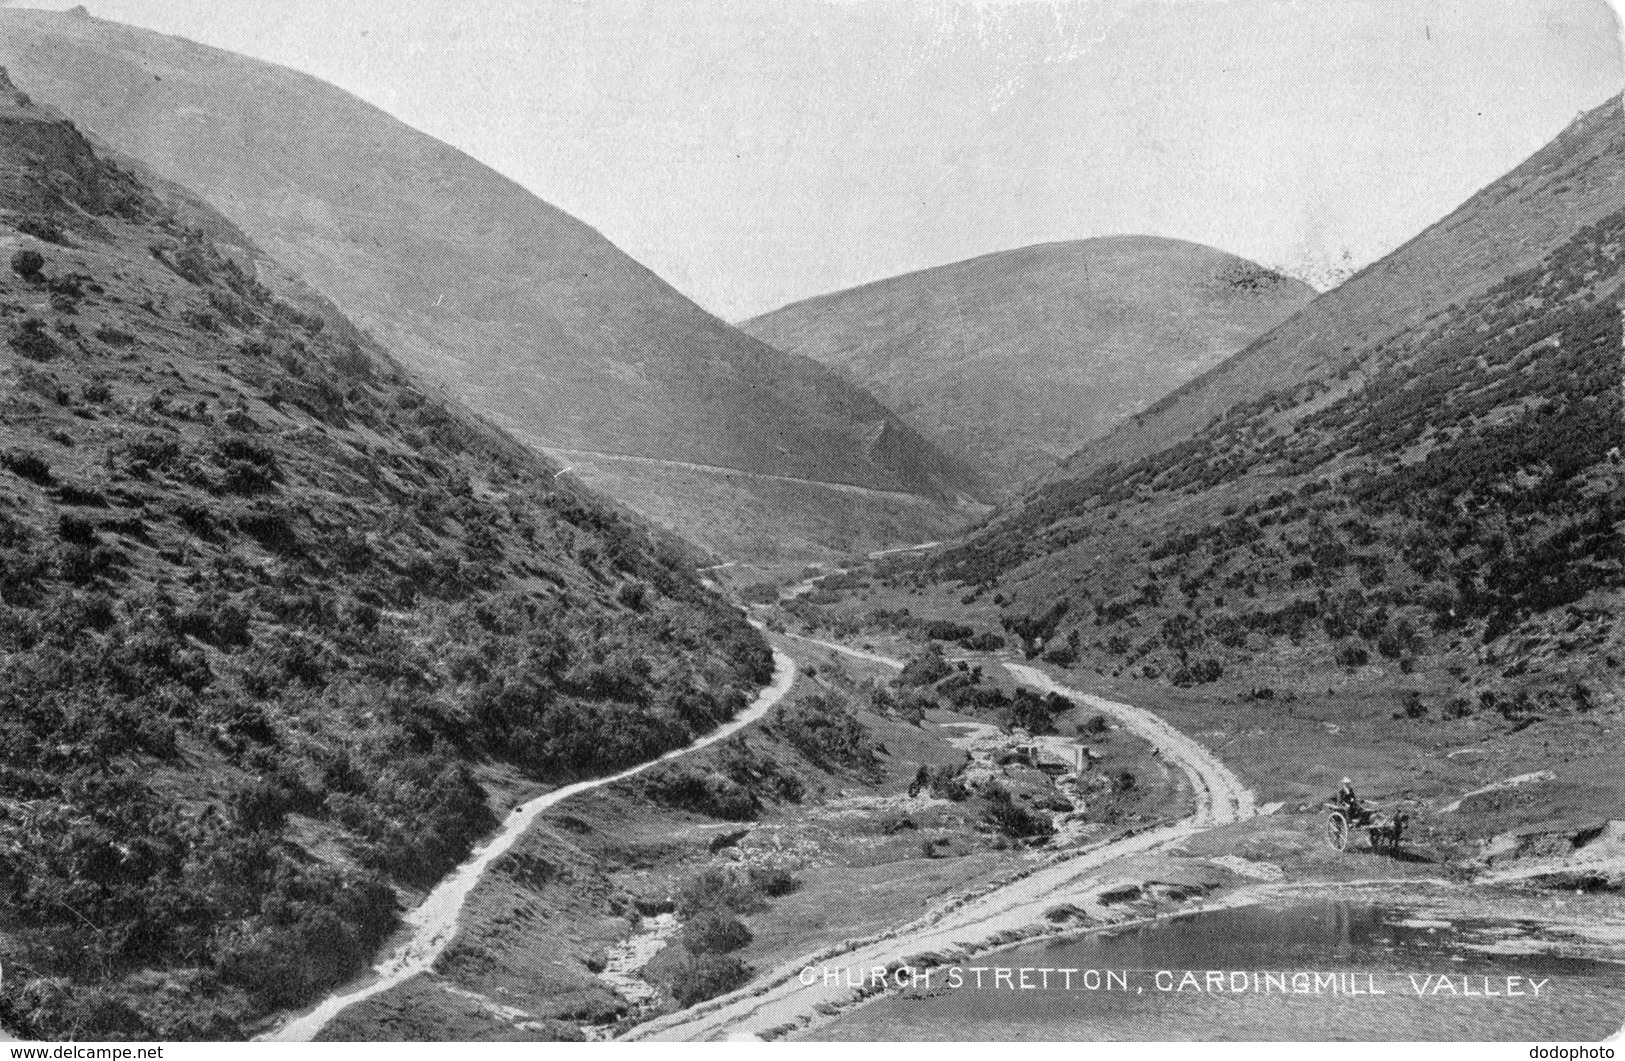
x=523 y=312
x=1016 y=359
x=280 y=630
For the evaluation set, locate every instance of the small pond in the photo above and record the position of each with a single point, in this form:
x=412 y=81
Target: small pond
x=1324 y=969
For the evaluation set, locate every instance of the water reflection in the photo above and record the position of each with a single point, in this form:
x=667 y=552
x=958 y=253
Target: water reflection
x=1326 y=969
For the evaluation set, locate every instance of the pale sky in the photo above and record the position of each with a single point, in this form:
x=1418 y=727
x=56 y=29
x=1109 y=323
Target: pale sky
x=754 y=152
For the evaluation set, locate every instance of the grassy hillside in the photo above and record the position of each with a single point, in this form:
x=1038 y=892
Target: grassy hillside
x=1017 y=359
x=525 y=313
x=1435 y=493
x=272 y=618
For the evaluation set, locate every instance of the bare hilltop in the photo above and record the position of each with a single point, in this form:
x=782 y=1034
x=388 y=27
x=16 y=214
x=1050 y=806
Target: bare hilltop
x=1017 y=359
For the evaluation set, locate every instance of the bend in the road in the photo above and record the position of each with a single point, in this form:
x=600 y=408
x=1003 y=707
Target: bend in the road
x=1221 y=796
x=780 y=998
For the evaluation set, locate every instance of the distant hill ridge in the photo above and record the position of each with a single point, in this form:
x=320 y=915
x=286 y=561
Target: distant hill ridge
x=1019 y=357
x=1507 y=226
x=525 y=313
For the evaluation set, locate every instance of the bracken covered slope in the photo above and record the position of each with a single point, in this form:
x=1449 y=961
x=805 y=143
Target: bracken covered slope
x=272 y=616
x=522 y=311
x=1419 y=472
x=1017 y=359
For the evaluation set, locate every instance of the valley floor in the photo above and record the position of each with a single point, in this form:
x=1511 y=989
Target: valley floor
x=1220 y=856
x=564 y=937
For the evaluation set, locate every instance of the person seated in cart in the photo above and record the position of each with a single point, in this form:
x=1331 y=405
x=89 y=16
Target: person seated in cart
x=1347 y=802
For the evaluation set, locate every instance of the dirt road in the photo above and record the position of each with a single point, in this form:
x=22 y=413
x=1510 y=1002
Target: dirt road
x=434 y=922
x=855 y=653
x=783 y=997
x=1221 y=798
x=920 y=548
x=588 y=455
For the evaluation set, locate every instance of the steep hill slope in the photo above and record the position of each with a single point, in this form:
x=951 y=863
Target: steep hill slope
x=1019 y=358
x=1419 y=472
x=1508 y=226
x=524 y=312
x=272 y=618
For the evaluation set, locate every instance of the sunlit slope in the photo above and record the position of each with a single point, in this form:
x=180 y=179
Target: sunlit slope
x=1018 y=358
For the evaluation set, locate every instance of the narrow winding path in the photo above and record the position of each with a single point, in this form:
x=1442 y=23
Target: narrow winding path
x=780 y=997
x=434 y=921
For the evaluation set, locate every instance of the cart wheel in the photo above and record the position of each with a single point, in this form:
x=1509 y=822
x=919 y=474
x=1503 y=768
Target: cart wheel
x=1337 y=831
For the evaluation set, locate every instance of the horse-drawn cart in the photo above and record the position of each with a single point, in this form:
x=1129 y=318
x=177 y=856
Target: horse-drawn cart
x=1383 y=830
